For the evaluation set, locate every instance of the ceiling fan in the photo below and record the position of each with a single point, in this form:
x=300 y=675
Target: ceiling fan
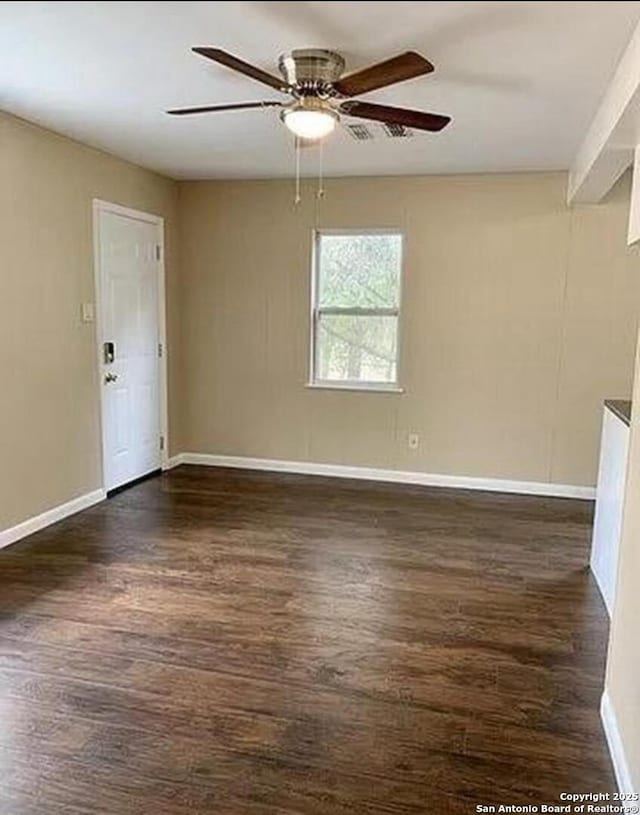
x=313 y=77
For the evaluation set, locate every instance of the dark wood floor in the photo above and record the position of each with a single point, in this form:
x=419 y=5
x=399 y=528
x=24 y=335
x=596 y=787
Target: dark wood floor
x=217 y=641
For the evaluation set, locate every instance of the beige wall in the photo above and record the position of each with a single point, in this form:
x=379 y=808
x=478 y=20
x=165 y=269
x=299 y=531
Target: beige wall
x=519 y=319
x=49 y=414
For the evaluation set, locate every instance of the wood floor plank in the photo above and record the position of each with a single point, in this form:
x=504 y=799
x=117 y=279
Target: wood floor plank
x=240 y=643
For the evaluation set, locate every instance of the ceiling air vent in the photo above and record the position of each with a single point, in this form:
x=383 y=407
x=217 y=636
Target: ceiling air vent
x=394 y=131
x=359 y=132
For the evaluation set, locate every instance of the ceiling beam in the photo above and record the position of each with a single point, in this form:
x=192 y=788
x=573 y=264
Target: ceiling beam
x=608 y=147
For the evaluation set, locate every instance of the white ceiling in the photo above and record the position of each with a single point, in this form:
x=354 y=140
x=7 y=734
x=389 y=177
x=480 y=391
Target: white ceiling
x=521 y=79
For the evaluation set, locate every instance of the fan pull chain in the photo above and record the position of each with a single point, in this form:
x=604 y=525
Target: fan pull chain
x=296 y=200
x=320 y=170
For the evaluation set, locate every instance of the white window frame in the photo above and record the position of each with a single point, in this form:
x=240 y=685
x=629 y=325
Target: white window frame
x=352 y=385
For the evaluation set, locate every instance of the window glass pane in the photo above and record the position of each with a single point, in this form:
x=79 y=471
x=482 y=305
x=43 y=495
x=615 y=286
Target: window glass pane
x=356 y=348
x=361 y=271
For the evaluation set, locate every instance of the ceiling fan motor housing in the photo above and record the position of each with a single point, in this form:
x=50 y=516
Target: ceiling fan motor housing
x=311 y=70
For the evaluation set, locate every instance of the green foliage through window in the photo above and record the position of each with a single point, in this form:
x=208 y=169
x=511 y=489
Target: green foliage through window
x=357 y=307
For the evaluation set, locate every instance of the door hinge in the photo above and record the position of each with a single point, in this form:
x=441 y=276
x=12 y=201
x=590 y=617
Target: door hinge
x=162 y=442
x=157 y=251
x=160 y=349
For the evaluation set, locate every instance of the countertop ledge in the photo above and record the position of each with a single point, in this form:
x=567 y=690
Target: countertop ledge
x=620 y=408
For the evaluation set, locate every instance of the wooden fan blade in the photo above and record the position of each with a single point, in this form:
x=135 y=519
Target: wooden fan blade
x=213 y=108
x=400 y=116
x=396 y=69
x=236 y=64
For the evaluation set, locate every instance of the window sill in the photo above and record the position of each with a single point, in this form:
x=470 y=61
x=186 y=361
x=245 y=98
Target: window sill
x=363 y=387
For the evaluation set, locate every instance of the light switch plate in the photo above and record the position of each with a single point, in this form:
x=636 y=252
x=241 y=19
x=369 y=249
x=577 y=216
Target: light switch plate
x=87 y=312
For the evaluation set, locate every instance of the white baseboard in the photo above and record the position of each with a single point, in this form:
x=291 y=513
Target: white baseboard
x=616 y=747
x=51 y=516
x=601 y=588
x=398 y=476
x=173 y=461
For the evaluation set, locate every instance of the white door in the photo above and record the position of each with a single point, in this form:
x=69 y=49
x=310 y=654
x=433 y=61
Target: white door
x=129 y=271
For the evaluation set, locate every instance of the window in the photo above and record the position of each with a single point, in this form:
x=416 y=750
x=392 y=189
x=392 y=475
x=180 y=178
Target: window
x=356 y=307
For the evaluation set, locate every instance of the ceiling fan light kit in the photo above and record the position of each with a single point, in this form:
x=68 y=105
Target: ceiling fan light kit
x=310 y=118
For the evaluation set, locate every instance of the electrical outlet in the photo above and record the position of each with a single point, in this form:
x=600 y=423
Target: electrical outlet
x=413 y=440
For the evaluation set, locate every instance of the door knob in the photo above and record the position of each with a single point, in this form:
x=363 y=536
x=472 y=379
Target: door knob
x=110 y=377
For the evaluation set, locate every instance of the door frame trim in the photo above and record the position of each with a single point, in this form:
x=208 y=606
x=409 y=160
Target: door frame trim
x=98 y=207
